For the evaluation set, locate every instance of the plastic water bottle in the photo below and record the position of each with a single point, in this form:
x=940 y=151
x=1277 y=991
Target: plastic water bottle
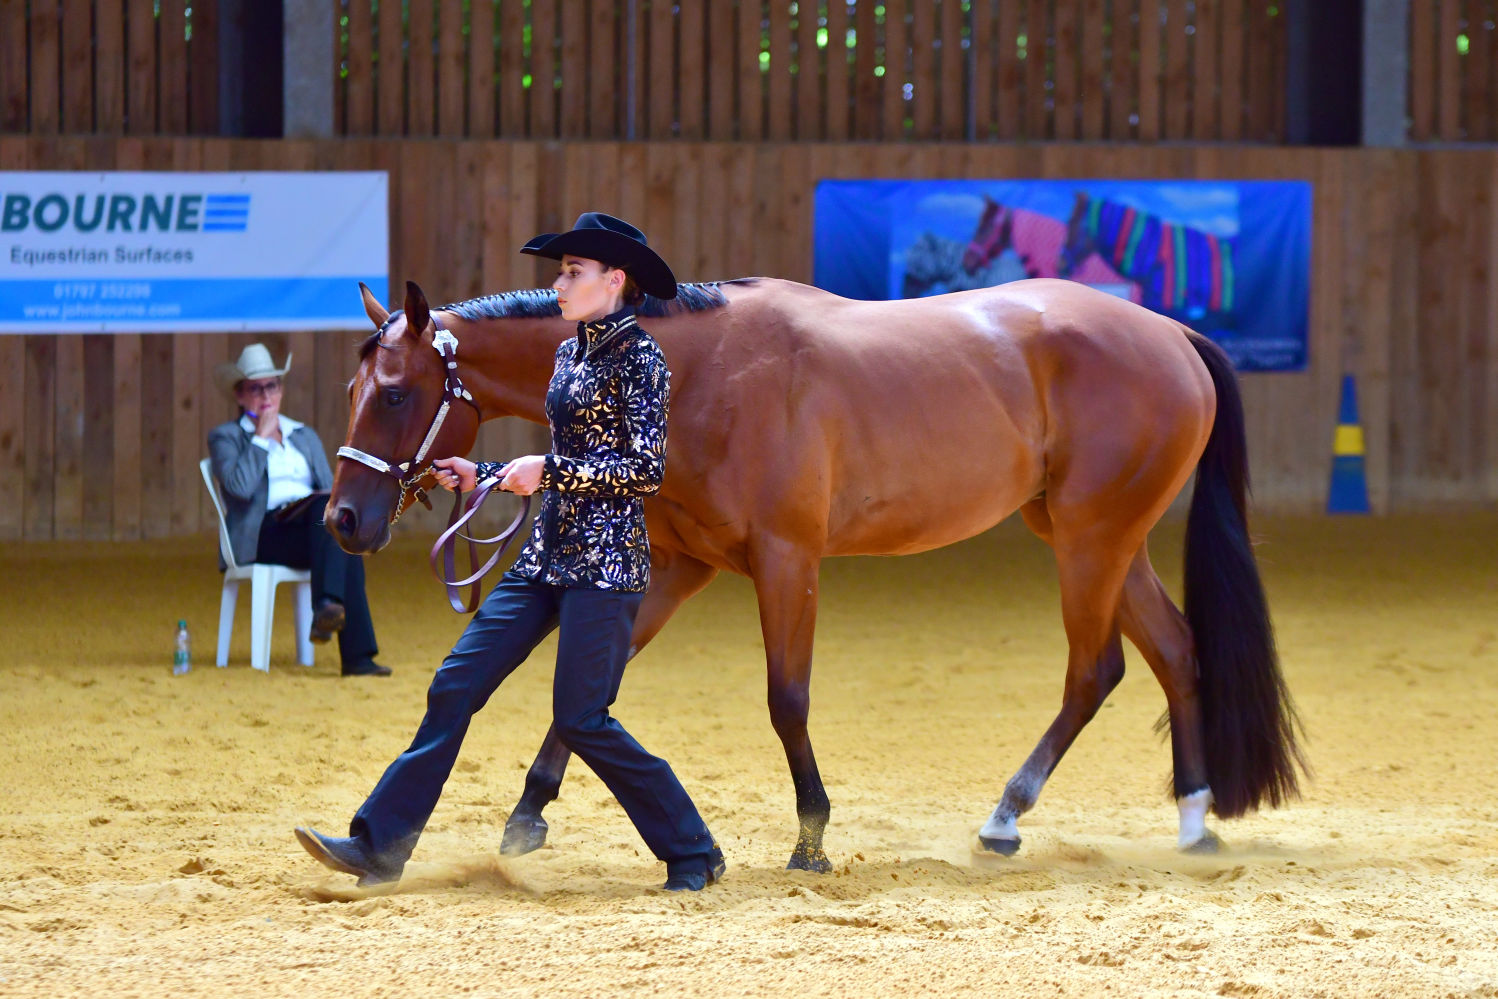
x=182 y=656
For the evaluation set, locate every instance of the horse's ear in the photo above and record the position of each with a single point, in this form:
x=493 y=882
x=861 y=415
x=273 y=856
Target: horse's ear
x=418 y=313
x=376 y=312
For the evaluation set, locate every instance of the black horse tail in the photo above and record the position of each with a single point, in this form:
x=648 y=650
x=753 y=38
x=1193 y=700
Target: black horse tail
x=1249 y=721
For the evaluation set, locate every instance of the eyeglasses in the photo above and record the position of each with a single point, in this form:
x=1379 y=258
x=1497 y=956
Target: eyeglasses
x=262 y=388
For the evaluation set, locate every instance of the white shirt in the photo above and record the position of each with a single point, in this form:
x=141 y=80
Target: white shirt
x=290 y=475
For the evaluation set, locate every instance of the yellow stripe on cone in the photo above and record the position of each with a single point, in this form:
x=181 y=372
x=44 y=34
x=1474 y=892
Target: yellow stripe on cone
x=1349 y=441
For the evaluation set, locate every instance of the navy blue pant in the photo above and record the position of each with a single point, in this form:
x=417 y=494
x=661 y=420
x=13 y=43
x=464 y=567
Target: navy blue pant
x=592 y=649
x=303 y=542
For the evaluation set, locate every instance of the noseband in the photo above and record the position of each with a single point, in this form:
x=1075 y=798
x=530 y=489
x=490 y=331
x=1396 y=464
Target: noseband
x=408 y=473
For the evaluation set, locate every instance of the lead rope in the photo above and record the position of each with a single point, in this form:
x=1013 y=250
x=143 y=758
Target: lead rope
x=447 y=543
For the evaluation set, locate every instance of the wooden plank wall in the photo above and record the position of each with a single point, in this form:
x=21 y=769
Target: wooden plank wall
x=980 y=70
x=109 y=67
x=100 y=434
x=1001 y=70
x=1453 y=88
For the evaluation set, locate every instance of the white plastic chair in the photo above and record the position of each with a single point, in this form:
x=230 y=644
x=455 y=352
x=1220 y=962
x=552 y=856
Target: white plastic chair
x=264 y=577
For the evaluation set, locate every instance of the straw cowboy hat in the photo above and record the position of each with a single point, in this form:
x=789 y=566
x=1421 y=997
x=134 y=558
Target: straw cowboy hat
x=254 y=362
x=611 y=241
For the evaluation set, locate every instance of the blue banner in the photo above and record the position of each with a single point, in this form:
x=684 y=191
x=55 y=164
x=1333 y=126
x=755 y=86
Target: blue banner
x=177 y=252
x=1231 y=259
x=205 y=305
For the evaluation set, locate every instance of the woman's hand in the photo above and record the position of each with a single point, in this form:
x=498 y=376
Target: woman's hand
x=267 y=418
x=454 y=473
x=523 y=475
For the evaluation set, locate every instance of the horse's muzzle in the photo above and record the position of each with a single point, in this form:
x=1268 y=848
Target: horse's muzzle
x=356 y=534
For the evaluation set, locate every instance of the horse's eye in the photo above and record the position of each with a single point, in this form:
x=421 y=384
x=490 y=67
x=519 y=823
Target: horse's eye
x=394 y=397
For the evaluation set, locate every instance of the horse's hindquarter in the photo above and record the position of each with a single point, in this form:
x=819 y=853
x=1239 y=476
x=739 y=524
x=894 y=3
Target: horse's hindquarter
x=983 y=400
x=1128 y=402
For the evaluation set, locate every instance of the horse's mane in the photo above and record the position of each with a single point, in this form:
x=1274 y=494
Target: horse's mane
x=538 y=303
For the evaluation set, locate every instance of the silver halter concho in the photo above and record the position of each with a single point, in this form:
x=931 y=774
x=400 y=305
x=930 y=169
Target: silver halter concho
x=408 y=473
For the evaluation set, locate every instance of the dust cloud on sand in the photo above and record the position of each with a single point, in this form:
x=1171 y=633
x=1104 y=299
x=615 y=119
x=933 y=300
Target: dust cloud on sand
x=147 y=819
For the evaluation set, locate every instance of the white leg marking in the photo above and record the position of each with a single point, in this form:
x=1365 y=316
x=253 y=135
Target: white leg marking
x=1193 y=810
x=999 y=828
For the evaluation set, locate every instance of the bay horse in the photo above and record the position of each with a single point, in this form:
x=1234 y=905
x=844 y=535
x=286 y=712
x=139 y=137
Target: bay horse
x=804 y=425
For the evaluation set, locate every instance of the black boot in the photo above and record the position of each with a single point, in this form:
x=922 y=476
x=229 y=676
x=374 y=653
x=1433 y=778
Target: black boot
x=695 y=873
x=365 y=667
x=348 y=856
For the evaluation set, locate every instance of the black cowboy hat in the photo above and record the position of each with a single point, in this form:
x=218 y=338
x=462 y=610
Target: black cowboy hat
x=612 y=241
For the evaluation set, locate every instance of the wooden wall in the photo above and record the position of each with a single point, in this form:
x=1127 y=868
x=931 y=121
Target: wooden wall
x=1044 y=70
x=100 y=434
x=1038 y=70
x=109 y=67
x=1454 y=70
x=1041 y=70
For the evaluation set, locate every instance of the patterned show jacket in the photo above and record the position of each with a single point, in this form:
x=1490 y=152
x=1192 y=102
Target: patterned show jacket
x=607 y=405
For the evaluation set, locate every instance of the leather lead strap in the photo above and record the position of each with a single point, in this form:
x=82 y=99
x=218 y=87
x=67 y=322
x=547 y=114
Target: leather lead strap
x=447 y=543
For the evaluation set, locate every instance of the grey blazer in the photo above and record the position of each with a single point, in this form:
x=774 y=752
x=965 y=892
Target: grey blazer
x=240 y=467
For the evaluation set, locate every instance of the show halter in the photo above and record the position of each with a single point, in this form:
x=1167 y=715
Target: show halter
x=408 y=473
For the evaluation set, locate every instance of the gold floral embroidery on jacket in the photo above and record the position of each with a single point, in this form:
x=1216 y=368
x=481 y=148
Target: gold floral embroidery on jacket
x=607 y=404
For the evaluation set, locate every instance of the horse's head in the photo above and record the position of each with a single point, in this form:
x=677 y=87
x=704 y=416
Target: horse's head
x=396 y=404
x=1079 y=242
x=990 y=238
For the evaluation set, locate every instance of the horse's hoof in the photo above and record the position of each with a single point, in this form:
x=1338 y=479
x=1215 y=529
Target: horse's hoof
x=523 y=833
x=1003 y=847
x=1208 y=844
x=808 y=860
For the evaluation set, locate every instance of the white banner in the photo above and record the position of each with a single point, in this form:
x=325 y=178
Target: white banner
x=202 y=252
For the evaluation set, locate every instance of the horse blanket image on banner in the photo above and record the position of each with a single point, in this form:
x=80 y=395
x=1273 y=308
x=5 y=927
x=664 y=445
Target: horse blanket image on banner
x=1231 y=259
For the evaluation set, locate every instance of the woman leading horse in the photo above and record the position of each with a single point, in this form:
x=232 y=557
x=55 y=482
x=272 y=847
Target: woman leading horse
x=807 y=425
x=583 y=573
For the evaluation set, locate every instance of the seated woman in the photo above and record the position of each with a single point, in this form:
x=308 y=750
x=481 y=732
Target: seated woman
x=270 y=469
